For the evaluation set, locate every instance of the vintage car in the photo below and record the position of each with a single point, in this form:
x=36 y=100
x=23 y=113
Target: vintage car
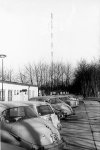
x=62 y=109
x=73 y=102
x=21 y=126
x=45 y=110
x=6 y=146
x=74 y=98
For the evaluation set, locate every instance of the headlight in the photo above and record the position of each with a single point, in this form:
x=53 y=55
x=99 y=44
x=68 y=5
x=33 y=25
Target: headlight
x=45 y=140
x=42 y=136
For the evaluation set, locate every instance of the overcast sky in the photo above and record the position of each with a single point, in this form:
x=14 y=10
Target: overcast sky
x=25 y=27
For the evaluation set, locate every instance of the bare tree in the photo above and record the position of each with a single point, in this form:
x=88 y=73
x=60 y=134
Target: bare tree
x=8 y=75
x=22 y=77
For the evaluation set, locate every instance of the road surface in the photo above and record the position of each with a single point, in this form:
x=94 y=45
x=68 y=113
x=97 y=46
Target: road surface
x=82 y=130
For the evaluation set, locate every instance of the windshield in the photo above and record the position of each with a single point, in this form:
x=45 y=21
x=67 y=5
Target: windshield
x=16 y=113
x=55 y=100
x=44 y=110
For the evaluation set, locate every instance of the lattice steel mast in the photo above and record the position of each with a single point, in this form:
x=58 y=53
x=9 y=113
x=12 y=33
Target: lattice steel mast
x=52 y=72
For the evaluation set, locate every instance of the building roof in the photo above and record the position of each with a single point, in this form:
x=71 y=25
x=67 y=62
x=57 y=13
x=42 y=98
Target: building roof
x=16 y=83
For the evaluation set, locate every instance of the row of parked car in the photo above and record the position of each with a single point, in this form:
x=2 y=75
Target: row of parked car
x=35 y=124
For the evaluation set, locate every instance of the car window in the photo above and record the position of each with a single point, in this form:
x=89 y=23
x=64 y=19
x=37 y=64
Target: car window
x=29 y=112
x=58 y=100
x=39 y=99
x=55 y=101
x=17 y=111
x=13 y=114
x=32 y=107
x=52 y=101
x=44 y=110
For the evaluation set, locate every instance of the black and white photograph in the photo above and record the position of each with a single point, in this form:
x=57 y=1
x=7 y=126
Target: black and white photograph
x=49 y=74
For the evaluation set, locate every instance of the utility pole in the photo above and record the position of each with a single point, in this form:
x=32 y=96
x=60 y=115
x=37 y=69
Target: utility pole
x=2 y=56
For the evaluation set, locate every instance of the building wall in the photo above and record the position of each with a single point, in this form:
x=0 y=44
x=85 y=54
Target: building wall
x=18 y=92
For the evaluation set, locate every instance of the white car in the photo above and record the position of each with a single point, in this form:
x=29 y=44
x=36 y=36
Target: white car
x=62 y=109
x=73 y=102
x=74 y=99
x=20 y=126
x=45 y=110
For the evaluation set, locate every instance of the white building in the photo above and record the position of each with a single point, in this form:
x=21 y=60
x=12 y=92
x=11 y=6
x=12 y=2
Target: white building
x=13 y=91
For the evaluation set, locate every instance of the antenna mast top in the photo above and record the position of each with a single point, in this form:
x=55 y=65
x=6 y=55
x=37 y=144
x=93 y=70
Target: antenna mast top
x=52 y=36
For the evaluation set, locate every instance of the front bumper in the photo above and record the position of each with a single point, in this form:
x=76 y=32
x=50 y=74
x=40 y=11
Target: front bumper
x=56 y=146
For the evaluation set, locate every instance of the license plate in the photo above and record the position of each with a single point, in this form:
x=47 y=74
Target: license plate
x=54 y=137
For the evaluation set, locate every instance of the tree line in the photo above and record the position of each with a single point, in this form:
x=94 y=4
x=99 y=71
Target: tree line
x=56 y=77
x=87 y=79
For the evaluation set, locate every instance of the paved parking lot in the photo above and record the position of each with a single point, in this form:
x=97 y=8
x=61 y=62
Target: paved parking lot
x=82 y=130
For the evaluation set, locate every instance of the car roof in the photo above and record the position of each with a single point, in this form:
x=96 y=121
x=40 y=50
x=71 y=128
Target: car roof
x=37 y=103
x=43 y=97
x=36 y=98
x=6 y=105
